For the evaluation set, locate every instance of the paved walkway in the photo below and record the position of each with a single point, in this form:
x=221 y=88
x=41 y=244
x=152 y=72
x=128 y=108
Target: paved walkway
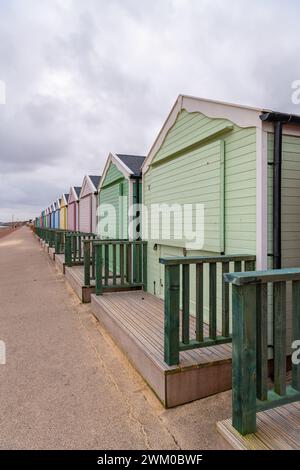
x=66 y=385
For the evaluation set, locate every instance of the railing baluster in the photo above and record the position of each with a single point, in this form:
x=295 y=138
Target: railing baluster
x=262 y=341
x=80 y=248
x=87 y=262
x=68 y=250
x=225 y=301
x=74 y=241
x=122 y=263
x=249 y=265
x=106 y=264
x=93 y=261
x=98 y=270
x=199 y=302
x=137 y=262
x=212 y=300
x=171 y=312
x=237 y=266
x=279 y=337
x=185 y=304
x=144 y=267
x=129 y=263
x=296 y=331
x=114 y=248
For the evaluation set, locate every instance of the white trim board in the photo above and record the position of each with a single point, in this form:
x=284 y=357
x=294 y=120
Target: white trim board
x=113 y=158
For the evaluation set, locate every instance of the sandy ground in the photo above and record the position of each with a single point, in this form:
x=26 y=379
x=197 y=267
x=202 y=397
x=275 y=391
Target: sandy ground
x=66 y=385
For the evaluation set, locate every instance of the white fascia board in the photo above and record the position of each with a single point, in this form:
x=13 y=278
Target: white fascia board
x=113 y=158
x=121 y=166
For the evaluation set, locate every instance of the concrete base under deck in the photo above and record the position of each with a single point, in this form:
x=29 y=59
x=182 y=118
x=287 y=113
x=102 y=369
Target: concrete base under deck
x=52 y=253
x=135 y=321
x=60 y=263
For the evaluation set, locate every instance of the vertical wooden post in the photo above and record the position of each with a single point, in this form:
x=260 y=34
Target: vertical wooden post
x=185 y=303
x=296 y=332
x=213 y=300
x=199 y=302
x=87 y=262
x=244 y=358
x=144 y=267
x=68 y=250
x=225 y=301
x=279 y=337
x=262 y=341
x=98 y=270
x=171 y=327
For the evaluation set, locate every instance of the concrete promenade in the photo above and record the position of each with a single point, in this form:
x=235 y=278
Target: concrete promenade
x=65 y=384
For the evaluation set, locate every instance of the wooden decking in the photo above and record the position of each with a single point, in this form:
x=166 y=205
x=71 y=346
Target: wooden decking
x=135 y=321
x=277 y=429
x=75 y=276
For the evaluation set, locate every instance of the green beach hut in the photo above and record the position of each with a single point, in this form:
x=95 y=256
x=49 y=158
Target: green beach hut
x=224 y=157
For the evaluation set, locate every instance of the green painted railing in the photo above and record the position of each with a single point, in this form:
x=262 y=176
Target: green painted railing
x=119 y=264
x=55 y=238
x=74 y=247
x=251 y=392
x=177 y=317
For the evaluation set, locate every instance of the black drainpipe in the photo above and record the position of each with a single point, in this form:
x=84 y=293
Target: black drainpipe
x=278 y=119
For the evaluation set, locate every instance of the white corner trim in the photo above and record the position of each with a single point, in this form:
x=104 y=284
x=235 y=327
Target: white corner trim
x=261 y=199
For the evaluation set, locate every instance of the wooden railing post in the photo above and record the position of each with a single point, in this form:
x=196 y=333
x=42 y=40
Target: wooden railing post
x=296 y=331
x=144 y=266
x=68 y=250
x=171 y=312
x=56 y=241
x=87 y=262
x=98 y=270
x=244 y=358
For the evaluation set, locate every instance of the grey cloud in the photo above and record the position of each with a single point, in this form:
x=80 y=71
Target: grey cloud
x=86 y=78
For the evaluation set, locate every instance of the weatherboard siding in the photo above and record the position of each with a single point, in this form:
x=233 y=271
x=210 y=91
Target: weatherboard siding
x=114 y=184
x=196 y=175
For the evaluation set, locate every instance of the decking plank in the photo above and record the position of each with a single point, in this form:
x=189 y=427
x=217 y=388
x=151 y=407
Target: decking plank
x=142 y=314
x=277 y=429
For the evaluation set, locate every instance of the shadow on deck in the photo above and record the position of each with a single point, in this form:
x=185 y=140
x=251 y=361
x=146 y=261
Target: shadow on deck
x=135 y=321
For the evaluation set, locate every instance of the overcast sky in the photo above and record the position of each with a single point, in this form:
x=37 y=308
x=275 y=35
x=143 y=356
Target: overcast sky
x=86 y=77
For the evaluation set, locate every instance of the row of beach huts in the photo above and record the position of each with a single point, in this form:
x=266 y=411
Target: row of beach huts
x=241 y=165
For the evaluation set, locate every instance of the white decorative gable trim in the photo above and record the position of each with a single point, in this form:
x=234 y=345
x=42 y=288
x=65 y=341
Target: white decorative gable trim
x=242 y=116
x=113 y=158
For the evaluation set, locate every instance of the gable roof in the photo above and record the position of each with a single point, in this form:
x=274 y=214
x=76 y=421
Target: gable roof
x=133 y=162
x=243 y=116
x=95 y=180
x=77 y=190
x=129 y=165
x=74 y=193
x=66 y=195
x=88 y=185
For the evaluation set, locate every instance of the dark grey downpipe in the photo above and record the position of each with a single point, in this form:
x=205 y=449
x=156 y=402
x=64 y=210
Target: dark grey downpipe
x=278 y=119
x=277 y=195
